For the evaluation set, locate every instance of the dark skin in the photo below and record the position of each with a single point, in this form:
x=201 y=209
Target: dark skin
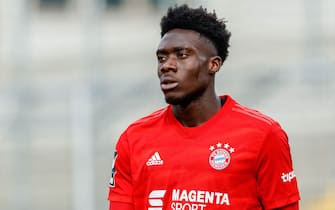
x=187 y=63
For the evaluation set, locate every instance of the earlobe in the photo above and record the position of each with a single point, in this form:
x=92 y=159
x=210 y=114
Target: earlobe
x=214 y=64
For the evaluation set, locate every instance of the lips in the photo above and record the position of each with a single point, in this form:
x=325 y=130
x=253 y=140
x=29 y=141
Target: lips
x=168 y=84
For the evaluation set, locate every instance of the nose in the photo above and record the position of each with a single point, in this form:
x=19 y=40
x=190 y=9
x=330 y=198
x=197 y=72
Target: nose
x=169 y=65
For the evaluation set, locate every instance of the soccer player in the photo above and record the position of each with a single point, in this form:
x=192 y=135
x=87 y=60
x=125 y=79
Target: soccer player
x=202 y=151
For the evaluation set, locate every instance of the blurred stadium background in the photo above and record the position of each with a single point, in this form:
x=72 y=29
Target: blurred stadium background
x=75 y=73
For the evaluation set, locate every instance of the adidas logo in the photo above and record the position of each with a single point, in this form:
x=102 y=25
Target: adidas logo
x=155 y=160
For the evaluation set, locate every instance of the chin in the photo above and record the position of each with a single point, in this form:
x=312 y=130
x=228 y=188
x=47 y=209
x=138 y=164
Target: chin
x=172 y=101
x=183 y=98
x=178 y=100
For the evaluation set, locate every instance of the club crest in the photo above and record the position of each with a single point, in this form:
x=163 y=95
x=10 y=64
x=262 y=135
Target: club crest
x=220 y=156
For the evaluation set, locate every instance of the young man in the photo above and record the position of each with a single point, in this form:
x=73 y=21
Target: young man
x=202 y=151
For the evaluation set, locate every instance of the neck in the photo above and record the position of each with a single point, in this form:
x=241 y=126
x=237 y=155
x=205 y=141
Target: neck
x=198 y=111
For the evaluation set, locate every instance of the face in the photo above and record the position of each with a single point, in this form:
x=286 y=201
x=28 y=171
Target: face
x=186 y=65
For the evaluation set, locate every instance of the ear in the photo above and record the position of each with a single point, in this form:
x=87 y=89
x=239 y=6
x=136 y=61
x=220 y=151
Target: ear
x=214 y=63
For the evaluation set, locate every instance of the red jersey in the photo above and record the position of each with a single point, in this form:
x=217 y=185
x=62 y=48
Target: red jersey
x=239 y=159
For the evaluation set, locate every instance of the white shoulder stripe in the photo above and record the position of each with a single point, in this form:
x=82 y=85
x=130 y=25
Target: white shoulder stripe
x=253 y=114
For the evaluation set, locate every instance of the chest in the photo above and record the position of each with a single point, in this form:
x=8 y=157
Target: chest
x=171 y=159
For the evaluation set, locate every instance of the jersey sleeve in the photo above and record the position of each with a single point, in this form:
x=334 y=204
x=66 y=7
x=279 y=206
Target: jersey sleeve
x=120 y=185
x=276 y=180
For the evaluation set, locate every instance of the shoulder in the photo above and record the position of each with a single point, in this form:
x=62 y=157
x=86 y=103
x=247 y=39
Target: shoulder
x=251 y=119
x=254 y=116
x=141 y=129
x=268 y=131
x=148 y=121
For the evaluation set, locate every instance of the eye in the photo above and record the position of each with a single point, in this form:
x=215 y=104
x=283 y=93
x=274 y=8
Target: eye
x=183 y=54
x=161 y=58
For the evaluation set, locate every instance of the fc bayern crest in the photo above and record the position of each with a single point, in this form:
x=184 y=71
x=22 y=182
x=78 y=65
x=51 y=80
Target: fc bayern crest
x=219 y=158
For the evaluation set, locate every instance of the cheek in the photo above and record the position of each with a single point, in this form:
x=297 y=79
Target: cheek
x=159 y=73
x=196 y=76
x=190 y=75
x=200 y=71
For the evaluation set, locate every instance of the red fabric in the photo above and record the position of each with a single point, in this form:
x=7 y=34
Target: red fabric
x=239 y=159
x=294 y=206
x=120 y=206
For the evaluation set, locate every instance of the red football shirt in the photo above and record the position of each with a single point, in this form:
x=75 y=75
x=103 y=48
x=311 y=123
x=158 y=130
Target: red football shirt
x=239 y=159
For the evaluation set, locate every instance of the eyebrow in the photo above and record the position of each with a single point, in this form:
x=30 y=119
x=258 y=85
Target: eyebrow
x=174 y=49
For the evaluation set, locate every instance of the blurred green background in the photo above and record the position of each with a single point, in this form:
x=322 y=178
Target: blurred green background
x=75 y=73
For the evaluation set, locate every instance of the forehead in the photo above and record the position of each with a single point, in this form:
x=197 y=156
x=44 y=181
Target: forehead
x=185 y=39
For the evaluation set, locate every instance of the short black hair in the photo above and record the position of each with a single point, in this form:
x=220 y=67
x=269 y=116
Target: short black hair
x=199 y=20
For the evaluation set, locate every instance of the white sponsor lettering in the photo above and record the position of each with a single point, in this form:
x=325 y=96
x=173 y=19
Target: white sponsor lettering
x=187 y=206
x=155 y=199
x=200 y=196
x=187 y=199
x=288 y=177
